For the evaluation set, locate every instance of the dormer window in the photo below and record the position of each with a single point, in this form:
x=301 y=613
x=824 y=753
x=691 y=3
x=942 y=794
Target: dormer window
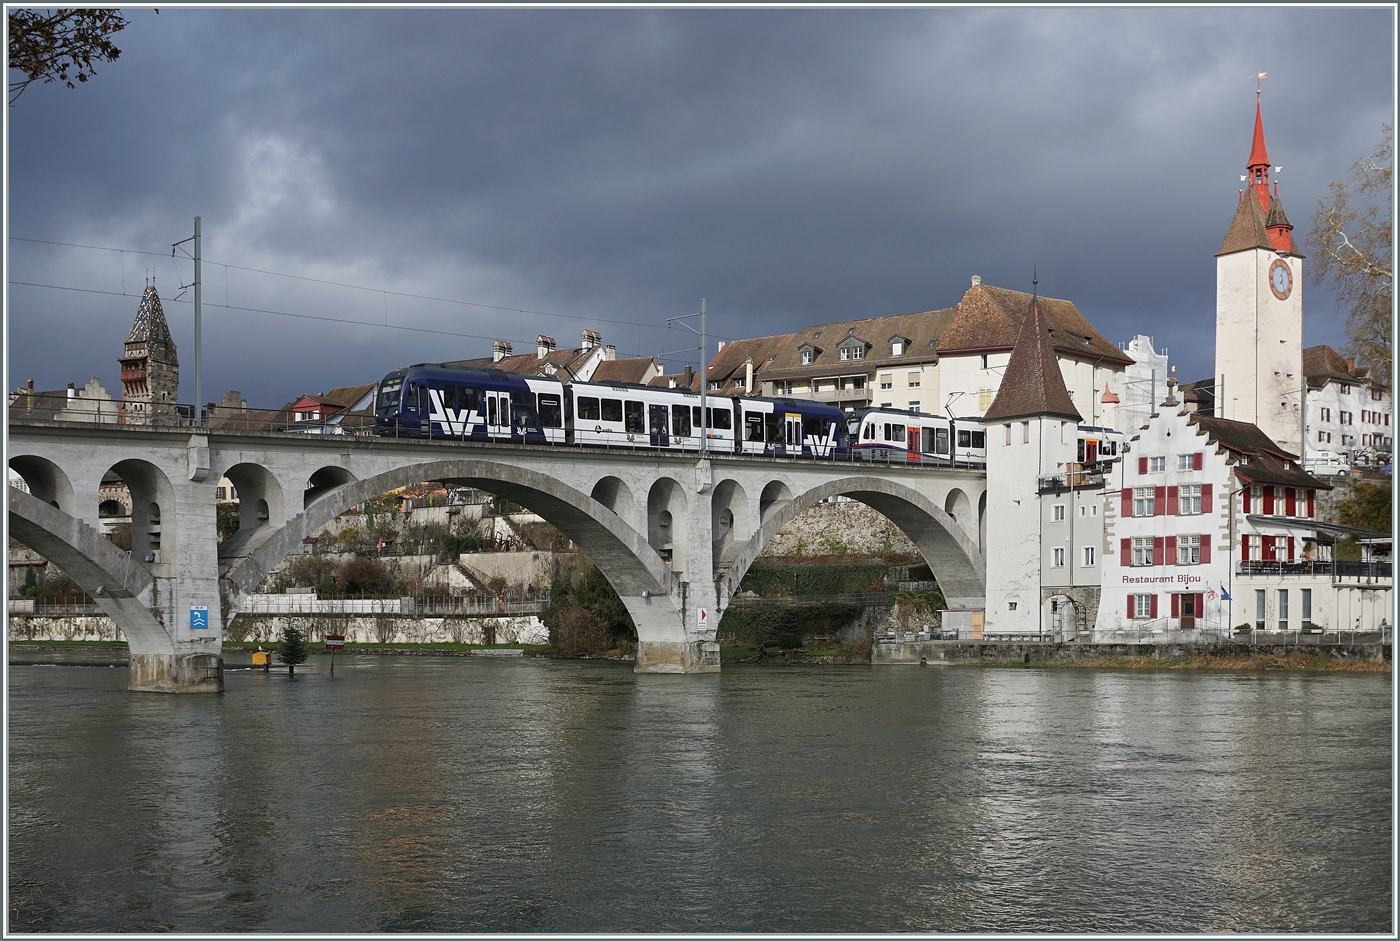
x=807 y=357
x=897 y=348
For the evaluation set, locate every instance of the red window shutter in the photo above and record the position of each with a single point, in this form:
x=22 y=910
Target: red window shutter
x=1311 y=494
x=1132 y=606
x=1244 y=548
x=1206 y=494
x=1142 y=465
x=1244 y=496
x=1292 y=503
x=1159 y=501
x=1126 y=551
x=1152 y=612
x=1171 y=550
x=1127 y=503
x=1205 y=548
x=1198 y=460
x=1158 y=549
x=1268 y=501
x=1176 y=606
x=1171 y=501
x=1290 y=549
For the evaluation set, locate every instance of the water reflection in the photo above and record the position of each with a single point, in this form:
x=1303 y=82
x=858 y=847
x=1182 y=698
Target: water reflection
x=420 y=794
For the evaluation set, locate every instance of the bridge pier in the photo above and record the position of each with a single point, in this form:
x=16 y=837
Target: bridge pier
x=664 y=644
x=176 y=673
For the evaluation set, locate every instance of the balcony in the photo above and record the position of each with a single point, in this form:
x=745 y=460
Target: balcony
x=1075 y=477
x=1357 y=573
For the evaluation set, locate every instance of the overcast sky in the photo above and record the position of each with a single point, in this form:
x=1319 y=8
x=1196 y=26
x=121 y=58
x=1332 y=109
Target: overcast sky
x=607 y=169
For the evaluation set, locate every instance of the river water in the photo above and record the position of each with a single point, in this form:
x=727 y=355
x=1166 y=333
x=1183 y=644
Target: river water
x=453 y=794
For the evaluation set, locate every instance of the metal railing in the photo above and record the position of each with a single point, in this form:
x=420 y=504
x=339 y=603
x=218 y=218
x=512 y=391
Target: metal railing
x=1335 y=570
x=478 y=604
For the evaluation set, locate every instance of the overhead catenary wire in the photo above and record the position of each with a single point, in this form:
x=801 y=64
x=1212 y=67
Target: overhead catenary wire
x=341 y=284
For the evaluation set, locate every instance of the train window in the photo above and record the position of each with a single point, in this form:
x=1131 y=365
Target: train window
x=491 y=409
x=468 y=398
x=680 y=421
x=695 y=415
x=721 y=419
x=523 y=405
x=979 y=439
x=815 y=428
x=551 y=412
x=870 y=432
x=773 y=428
x=588 y=408
x=612 y=409
x=634 y=418
x=388 y=399
x=753 y=426
x=926 y=440
x=964 y=438
x=897 y=433
x=657 y=414
x=941 y=441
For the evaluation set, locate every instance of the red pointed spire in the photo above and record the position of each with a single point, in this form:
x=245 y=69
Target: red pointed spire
x=1259 y=166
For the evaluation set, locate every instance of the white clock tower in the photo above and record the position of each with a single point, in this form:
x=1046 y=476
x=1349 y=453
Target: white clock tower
x=1259 y=309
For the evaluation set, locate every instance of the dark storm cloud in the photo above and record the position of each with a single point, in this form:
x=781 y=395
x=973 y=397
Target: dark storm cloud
x=618 y=165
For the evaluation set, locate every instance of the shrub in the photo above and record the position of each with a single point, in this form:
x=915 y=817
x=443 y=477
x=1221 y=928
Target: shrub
x=363 y=575
x=580 y=632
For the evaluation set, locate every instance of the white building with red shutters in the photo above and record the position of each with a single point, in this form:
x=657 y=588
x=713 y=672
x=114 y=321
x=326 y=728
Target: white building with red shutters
x=1213 y=527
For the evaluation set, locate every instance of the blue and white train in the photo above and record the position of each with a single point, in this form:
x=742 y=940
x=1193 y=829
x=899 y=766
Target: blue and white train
x=898 y=436
x=474 y=404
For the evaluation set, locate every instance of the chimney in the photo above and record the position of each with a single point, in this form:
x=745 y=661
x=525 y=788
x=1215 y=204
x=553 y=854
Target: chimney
x=610 y=353
x=1351 y=364
x=544 y=346
x=500 y=349
x=1170 y=401
x=71 y=391
x=687 y=377
x=589 y=339
x=748 y=376
x=976 y=280
x=720 y=346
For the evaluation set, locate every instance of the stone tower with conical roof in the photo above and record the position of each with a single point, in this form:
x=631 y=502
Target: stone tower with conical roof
x=150 y=368
x=1259 y=307
x=1040 y=578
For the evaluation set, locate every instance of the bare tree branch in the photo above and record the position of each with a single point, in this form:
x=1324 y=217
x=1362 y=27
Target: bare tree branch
x=60 y=45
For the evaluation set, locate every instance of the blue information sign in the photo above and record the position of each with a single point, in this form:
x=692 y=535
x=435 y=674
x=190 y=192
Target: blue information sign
x=199 y=618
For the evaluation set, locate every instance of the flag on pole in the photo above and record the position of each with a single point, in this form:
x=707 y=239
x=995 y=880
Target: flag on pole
x=1225 y=595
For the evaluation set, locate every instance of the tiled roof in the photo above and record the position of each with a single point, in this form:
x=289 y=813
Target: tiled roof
x=1250 y=228
x=528 y=364
x=728 y=363
x=989 y=318
x=922 y=328
x=664 y=382
x=1322 y=364
x=346 y=396
x=1201 y=393
x=623 y=370
x=1276 y=216
x=1032 y=384
x=1264 y=462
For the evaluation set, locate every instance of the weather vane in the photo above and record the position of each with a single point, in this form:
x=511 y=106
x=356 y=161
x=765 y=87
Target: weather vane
x=1259 y=91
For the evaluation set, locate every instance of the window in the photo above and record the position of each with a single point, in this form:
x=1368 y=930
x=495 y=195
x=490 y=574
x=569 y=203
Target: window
x=721 y=419
x=612 y=409
x=1057 y=557
x=1283 y=609
x=856 y=382
x=984 y=398
x=1375 y=395
x=1089 y=557
x=1188 y=550
x=806 y=357
x=1156 y=465
x=1326 y=414
x=220 y=493
x=1343 y=388
x=1144 y=501
x=1260 y=607
x=914 y=380
x=1142 y=606
x=680 y=421
x=1091 y=509
x=1280 y=502
x=887 y=381
x=1185 y=462
x=1189 y=500
x=1142 y=550
x=1025 y=432
x=984 y=360
x=1057 y=513
x=634 y=418
x=1307 y=604
x=588 y=409
x=551 y=412
x=897 y=348
x=914 y=405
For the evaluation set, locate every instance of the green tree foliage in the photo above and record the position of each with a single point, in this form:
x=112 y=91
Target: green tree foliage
x=1350 y=236
x=293 y=649
x=60 y=45
x=585 y=615
x=1368 y=507
x=228 y=521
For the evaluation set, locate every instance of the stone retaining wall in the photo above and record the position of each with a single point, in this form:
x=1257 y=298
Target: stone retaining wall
x=357 y=629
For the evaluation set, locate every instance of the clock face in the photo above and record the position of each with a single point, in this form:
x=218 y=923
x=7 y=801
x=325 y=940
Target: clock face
x=1280 y=279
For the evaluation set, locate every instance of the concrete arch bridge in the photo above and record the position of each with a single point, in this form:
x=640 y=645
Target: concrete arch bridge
x=673 y=533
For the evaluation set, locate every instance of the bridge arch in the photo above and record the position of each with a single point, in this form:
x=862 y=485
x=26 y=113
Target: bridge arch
x=952 y=554
x=774 y=498
x=616 y=496
x=666 y=519
x=46 y=481
x=730 y=523
x=325 y=481
x=261 y=509
x=152 y=512
x=619 y=551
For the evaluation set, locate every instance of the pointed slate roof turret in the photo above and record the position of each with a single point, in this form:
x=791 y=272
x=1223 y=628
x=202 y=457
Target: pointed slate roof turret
x=1032 y=386
x=149 y=325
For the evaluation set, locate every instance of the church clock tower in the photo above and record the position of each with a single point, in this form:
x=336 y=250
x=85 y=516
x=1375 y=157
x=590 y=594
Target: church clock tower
x=1259 y=308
